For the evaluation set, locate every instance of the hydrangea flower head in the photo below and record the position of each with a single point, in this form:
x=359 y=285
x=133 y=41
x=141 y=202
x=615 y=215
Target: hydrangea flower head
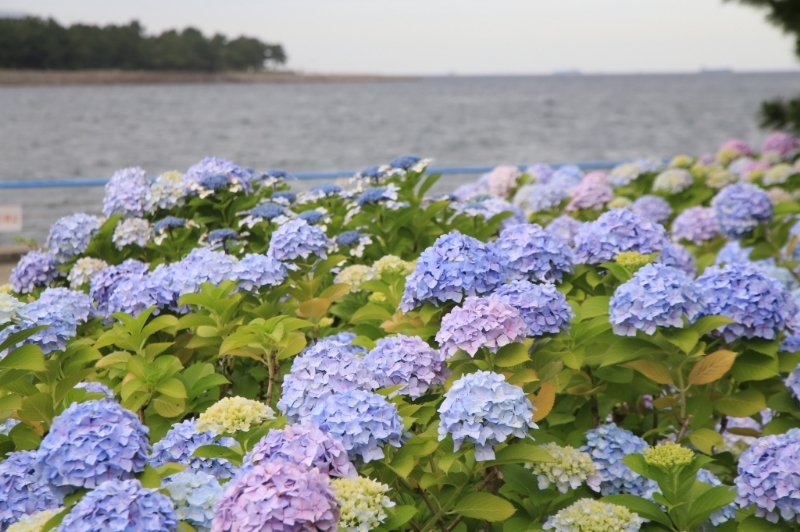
x=355 y=275
x=570 y=469
x=103 y=282
x=696 y=224
x=673 y=181
x=777 y=175
x=588 y=515
x=21 y=493
x=531 y=253
x=34 y=269
x=232 y=414
x=616 y=231
x=503 y=179
x=377 y=194
x=409 y=362
x=90 y=443
x=303 y=444
x=364 y=503
x=392 y=265
x=540 y=197
x=668 y=455
x=132 y=231
x=780 y=143
x=212 y=173
x=623 y=174
x=165 y=192
x=608 y=445
x=733 y=149
x=126 y=193
x=255 y=270
x=297 y=239
x=120 y=505
x=740 y=208
x=83 y=270
x=652 y=208
x=456 y=265
x=590 y=196
x=564 y=227
x=194 y=494
x=95 y=387
x=266 y=211
x=678 y=257
x=405 y=162
x=480 y=322
x=182 y=440
x=277 y=496
x=70 y=235
x=34 y=522
x=482 y=408
x=543 y=308
x=326 y=189
x=719 y=178
x=313 y=217
x=220 y=237
x=9 y=307
x=362 y=421
x=283 y=197
x=759 y=305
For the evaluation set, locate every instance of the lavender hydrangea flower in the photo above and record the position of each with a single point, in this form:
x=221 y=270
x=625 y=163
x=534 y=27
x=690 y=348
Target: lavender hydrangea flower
x=306 y=445
x=608 y=445
x=95 y=387
x=678 y=257
x=194 y=494
x=132 y=231
x=726 y=513
x=503 y=179
x=280 y=497
x=652 y=208
x=696 y=224
x=565 y=228
x=204 y=177
x=590 y=196
x=132 y=294
x=121 y=505
x=673 y=181
x=362 y=421
x=540 y=197
x=182 y=440
x=780 y=143
x=166 y=192
x=656 y=296
x=731 y=253
x=624 y=174
x=21 y=493
x=409 y=362
x=456 y=265
x=297 y=239
x=70 y=235
x=34 y=269
x=540 y=173
x=758 y=305
x=321 y=370
x=126 y=193
x=254 y=271
x=531 y=253
x=765 y=481
x=90 y=443
x=7 y=425
x=480 y=322
x=566 y=176
x=543 y=308
x=616 y=231
x=482 y=408
x=220 y=237
x=733 y=149
x=103 y=282
x=740 y=208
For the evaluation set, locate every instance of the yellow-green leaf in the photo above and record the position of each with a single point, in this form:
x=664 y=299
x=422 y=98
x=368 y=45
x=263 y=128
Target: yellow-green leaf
x=314 y=308
x=741 y=404
x=705 y=440
x=168 y=407
x=172 y=388
x=651 y=369
x=543 y=401
x=511 y=355
x=484 y=506
x=712 y=367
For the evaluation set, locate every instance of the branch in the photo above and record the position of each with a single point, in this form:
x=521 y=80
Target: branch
x=684 y=426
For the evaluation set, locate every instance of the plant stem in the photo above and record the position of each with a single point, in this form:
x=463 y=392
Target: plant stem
x=446 y=507
x=271 y=385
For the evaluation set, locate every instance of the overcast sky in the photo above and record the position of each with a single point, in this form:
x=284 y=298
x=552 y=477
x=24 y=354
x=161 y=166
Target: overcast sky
x=467 y=36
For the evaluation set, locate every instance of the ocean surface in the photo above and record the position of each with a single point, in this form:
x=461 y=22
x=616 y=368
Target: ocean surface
x=66 y=132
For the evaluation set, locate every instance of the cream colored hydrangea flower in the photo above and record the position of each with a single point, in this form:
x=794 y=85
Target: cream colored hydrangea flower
x=232 y=414
x=364 y=503
x=355 y=275
x=392 y=265
x=34 y=522
x=619 y=202
x=570 y=469
x=587 y=515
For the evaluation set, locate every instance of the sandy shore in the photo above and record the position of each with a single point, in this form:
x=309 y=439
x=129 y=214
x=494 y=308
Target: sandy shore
x=109 y=77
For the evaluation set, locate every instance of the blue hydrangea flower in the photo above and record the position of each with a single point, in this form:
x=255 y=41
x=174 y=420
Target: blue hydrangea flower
x=565 y=228
x=409 y=362
x=165 y=192
x=656 y=296
x=267 y=211
x=696 y=224
x=132 y=231
x=765 y=481
x=34 y=269
x=480 y=322
x=758 y=305
x=275 y=175
x=254 y=271
x=608 y=445
x=725 y=513
x=7 y=425
x=132 y=294
x=739 y=208
x=321 y=370
x=104 y=281
x=348 y=238
x=312 y=217
x=531 y=253
x=373 y=173
x=201 y=265
x=541 y=173
x=731 y=253
x=283 y=197
x=455 y=266
x=279 y=497
x=71 y=235
x=652 y=208
x=90 y=443
x=327 y=189
x=297 y=239
x=377 y=194
x=405 y=162
x=21 y=493
x=362 y=421
x=193 y=493
x=121 y=505
x=791 y=344
x=219 y=237
x=204 y=177
x=540 y=197
x=678 y=257
x=543 y=308
x=482 y=408
x=126 y=193
x=170 y=222
x=566 y=176
x=303 y=444
x=95 y=387
x=9 y=308
x=179 y=444
x=616 y=231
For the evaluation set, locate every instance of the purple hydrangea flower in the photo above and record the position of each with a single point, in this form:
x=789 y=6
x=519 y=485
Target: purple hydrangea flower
x=616 y=231
x=758 y=305
x=34 y=269
x=71 y=235
x=652 y=208
x=182 y=440
x=780 y=143
x=409 y=362
x=541 y=173
x=482 y=408
x=678 y=257
x=656 y=296
x=297 y=239
x=566 y=176
x=456 y=265
x=126 y=193
x=739 y=208
x=480 y=322
x=279 y=497
x=792 y=382
x=254 y=271
x=565 y=228
x=121 y=505
x=90 y=443
x=731 y=253
x=306 y=445
x=21 y=493
x=103 y=282
x=543 y=308
x=608 y=445
x=696 y=224
x=531 y=253
x=590 y=196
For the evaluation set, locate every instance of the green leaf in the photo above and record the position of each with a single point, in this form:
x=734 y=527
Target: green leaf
x=219 y=451
x=37 y=407
x=149 y=478
x=173 y=388
x=711 y=367
x=643 y=507
x=511 y=355
x=683 y=339
x=169 y=407
x=28 y=357
x=54 y=521
x=484 y=506
x=655 y=371
x=708 y=503
x=10 y=402
x=759 y=524
x=594 y=306
x=780 y=425
x=707 y=324
x=371 y=312
x=25 y=438
x=705 y=439
x=754 y=367
x=521 y=453
x=783 y=402
x=400 y=516
x=741 y=404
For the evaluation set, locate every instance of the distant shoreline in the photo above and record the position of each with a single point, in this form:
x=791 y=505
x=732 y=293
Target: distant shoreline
x=113 y=77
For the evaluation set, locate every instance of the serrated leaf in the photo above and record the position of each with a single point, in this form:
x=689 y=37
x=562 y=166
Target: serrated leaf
x=754 y=367
x=27 y=357
x=705 y=440
x=711 y=367
x=400 y=516
x=173 y=388
x=643 y=507
x=759 y=524
x=37 y=407
x=314 y=308
x=522 y=376
x=335 y=292
x=511 y=355
x=543 y=401
x=149 y=478
x=169 y=407
x=371 y=312
x=683 y=339
x=651 y=369
x=595 y=306
x=219 y=451
x=484 y=506
x=741 y=404
x=519 y=453
x=707 y=324
x=118 y=357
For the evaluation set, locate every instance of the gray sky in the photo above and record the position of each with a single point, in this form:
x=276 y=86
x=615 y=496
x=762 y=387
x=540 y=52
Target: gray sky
x=467 y=36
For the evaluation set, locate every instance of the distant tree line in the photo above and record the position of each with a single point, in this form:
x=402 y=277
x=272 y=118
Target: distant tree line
x=35 y=43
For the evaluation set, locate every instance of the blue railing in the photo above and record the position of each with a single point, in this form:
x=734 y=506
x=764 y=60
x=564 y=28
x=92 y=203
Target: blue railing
x=450 y=170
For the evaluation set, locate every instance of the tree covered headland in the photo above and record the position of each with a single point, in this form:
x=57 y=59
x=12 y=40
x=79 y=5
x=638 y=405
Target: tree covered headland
x=35 y=43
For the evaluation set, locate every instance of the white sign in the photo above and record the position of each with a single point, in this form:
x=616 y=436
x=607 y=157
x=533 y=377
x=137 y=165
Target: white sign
x=10 y=218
